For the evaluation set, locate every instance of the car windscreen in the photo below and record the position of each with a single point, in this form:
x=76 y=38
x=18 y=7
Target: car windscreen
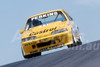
x=45 y=19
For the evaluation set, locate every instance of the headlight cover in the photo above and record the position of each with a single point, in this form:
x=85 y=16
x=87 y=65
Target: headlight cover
x=59 y=31
x=29 y=38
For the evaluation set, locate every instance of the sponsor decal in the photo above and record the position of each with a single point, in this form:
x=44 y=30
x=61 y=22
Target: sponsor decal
x=44 y=15
x=44 y=31
x=51 y=47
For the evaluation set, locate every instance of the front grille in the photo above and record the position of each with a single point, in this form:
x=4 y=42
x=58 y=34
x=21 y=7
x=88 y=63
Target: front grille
x=46 y=43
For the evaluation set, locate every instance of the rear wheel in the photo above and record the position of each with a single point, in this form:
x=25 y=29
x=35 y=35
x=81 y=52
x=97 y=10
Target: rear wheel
x=31 y=55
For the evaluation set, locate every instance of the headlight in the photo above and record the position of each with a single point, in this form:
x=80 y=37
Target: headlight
x=29 y=38
x=59 y=31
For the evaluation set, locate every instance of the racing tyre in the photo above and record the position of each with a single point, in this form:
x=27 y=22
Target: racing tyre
x=31 y=55
x=79 y=42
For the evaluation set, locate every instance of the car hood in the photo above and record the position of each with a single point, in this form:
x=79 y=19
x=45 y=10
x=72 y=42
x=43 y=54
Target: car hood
x=44 y=30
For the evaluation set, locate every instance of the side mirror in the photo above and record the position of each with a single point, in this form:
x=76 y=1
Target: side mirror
x=22 y=31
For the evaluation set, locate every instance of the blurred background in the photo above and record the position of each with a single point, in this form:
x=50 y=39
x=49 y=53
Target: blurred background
x=14 y=13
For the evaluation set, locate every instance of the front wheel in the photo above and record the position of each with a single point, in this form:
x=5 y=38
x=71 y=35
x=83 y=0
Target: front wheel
x=31 y=55
x=79 y=42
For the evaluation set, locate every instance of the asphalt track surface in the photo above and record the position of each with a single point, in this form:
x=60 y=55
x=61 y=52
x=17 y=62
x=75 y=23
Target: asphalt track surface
x=87 y=55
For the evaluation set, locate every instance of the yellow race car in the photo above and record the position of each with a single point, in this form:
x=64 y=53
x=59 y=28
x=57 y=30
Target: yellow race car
x=48 y=30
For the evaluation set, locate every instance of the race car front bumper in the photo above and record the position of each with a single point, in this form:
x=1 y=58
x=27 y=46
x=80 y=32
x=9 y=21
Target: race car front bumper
x=47 y=43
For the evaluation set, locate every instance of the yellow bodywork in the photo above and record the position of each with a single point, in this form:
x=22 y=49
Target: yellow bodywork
x=44 y=36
